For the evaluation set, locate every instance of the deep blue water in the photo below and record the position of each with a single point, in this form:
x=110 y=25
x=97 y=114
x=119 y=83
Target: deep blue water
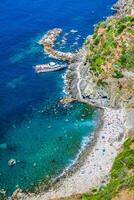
x=43 y=136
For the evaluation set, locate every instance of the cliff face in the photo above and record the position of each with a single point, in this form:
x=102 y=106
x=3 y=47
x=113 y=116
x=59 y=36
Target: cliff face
x=103 y=73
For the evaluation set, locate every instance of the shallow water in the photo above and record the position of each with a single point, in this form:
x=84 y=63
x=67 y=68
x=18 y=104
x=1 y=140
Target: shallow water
x=42 y=135
x=45 y=142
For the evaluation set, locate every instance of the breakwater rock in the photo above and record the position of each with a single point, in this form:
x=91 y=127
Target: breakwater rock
x=48 y=42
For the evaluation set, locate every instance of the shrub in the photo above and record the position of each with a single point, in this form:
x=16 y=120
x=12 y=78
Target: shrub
x=127 y=59
x=127 y=19
x=117 y=74
x=120 y=28
x=98 y=60
x=102 y=83
x=96 y=63
x=94 y=35
x=91 y=47
x=97 y=40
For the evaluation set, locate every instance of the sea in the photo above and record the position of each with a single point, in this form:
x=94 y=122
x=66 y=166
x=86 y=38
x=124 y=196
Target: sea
x=42 y=135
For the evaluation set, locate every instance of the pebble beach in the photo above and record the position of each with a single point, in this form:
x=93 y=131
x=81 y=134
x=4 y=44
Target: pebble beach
x=94 y=171
x=96 y=168
x=92 y=168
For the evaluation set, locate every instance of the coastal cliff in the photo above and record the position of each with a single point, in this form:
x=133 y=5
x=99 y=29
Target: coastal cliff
x=102 y=74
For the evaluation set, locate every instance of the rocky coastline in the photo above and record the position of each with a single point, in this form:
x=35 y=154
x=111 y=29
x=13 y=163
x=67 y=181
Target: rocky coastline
x=124 y=7
x=103 y=150
x=81 y=82
x=80 y=85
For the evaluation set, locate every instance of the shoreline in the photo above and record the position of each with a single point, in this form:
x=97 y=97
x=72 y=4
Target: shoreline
x=100 y=159
x=97 y=163
x=73 y=167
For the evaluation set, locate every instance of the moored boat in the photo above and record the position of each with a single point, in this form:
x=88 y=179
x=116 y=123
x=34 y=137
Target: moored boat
x=48 y=68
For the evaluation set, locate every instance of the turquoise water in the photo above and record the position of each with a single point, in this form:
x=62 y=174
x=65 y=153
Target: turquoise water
x=50 y=139
x=35 y=129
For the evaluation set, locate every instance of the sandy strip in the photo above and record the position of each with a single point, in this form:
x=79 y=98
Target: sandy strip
x=95 y=170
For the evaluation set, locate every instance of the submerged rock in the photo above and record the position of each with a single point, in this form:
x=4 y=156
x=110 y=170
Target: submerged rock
x=11 y=162
x=35 y=164
x=2 y=194
x=67 y=100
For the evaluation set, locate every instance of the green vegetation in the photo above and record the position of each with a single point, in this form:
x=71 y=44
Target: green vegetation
x=121 y=176
x=102 y=83
x=97 y=40
x=112 y=43
x=96 y=62
x=117 y=74
x=127 y=59
x=110 y=55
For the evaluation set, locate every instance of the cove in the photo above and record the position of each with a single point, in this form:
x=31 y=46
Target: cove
x=41 y=134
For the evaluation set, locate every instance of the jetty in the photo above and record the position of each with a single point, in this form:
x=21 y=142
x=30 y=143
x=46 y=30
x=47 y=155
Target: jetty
x=48 y=42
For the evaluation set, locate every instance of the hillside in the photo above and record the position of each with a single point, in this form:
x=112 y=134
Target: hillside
x=110 y=58
x=103 y=75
